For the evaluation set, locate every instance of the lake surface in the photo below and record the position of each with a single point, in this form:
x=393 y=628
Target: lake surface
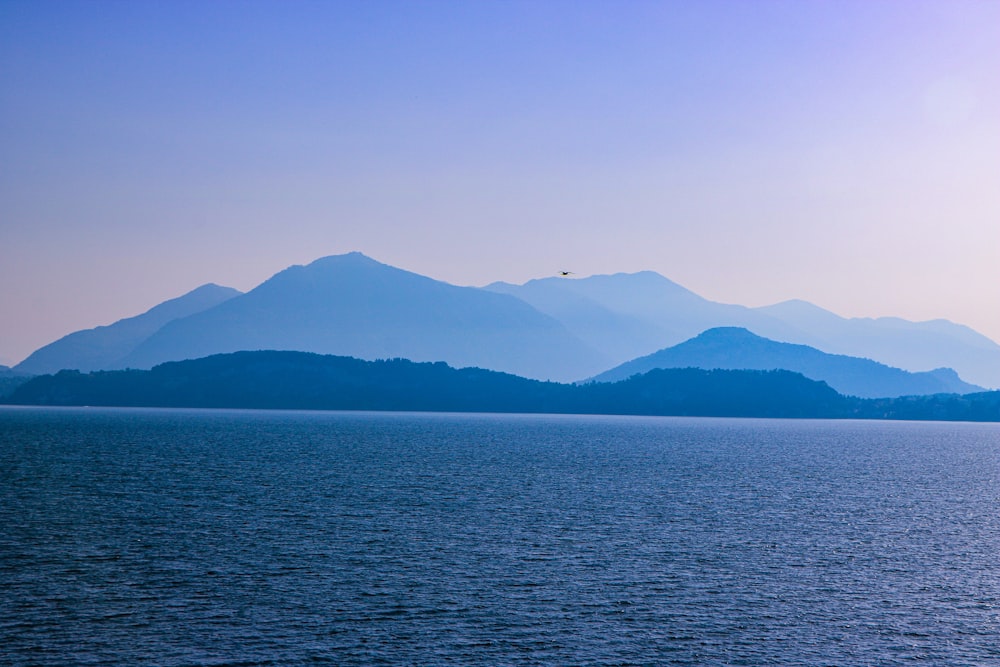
x=185 y=537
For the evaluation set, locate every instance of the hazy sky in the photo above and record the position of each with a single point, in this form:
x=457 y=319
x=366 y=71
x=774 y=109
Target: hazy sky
x=846 y=153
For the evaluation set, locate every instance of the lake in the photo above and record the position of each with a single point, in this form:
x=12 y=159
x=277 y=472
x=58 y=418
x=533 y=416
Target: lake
x=188 y=537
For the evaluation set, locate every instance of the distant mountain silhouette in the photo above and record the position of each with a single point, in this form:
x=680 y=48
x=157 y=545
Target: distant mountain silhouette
x=298 y=380
x=106 y=346
x=555 y=328
x=629 y=315
x=737 y=348
x=915 y=346
x=352 y=305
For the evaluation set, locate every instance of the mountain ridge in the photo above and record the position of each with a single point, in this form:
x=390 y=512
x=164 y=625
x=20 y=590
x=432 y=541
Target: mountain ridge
x=353 y=305
x=105 y=346
x=735 y=348
x=548 y=328
x=302 y=380
x=911 y=346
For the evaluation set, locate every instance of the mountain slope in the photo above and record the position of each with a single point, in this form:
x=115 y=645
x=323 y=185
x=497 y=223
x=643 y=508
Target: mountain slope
x=299 y=380
x=735 y=348
x=11 y=380
x=894 y=341
x=105 y=346
x=352 y=305
x=619 y=335
x=632 y=314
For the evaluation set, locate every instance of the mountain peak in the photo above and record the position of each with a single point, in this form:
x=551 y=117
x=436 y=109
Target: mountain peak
x=353 y=305
x=728 y=333
x=332 y=275
x=345 y=260
x=347 y=257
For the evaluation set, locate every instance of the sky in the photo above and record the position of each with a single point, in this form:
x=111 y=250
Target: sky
x=842 y=152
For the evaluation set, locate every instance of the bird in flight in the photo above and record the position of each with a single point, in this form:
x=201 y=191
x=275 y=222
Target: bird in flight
x=565 y=273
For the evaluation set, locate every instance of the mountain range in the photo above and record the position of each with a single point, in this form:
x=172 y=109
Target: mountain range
x=350 y=305
x=736 y=348
x=549 y=329
x=632 y=315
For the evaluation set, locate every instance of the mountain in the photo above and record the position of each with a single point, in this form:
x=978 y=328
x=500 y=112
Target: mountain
x=352 y=305
x=554 y=328
x=300 y=380
x=106 y=346
x=894 y=341
x=737 y=348
x=629 y=315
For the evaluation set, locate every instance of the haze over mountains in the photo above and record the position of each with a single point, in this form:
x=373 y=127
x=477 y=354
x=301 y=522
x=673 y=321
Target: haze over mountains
x=558 y=329
x=914 y=346
x=348 y=305
x=104 y=347
x=736 y=349
x=352 y=305
x=632 y=314
x=623 y=314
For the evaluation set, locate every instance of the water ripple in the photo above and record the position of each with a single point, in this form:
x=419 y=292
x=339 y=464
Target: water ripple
x=255 y=538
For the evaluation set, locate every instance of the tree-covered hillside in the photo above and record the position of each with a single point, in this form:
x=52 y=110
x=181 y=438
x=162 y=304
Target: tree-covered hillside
x=300 y=380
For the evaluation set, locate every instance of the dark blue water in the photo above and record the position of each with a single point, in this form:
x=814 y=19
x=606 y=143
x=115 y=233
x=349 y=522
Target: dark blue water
x=201 y=538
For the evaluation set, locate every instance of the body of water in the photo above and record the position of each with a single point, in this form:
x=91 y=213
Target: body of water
x=185 y=537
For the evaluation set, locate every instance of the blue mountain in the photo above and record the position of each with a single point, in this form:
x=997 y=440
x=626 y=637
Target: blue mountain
x=355 y=306
x=739 y=349
x=554 y=328
x=914 y=346
x=629 y=315
x=106 y=346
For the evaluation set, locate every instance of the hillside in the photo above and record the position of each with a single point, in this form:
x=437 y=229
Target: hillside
x=297 y=380
x=11 y=380
x=106 y=346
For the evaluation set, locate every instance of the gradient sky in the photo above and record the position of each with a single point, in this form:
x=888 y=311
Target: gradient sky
x=846 y=153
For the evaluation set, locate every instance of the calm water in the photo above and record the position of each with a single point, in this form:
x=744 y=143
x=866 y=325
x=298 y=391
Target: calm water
x=206 y=538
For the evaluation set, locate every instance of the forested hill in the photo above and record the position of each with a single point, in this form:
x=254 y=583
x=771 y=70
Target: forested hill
x=300 y=380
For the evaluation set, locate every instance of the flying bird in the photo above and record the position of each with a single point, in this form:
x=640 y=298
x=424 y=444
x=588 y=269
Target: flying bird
x=565 y=273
